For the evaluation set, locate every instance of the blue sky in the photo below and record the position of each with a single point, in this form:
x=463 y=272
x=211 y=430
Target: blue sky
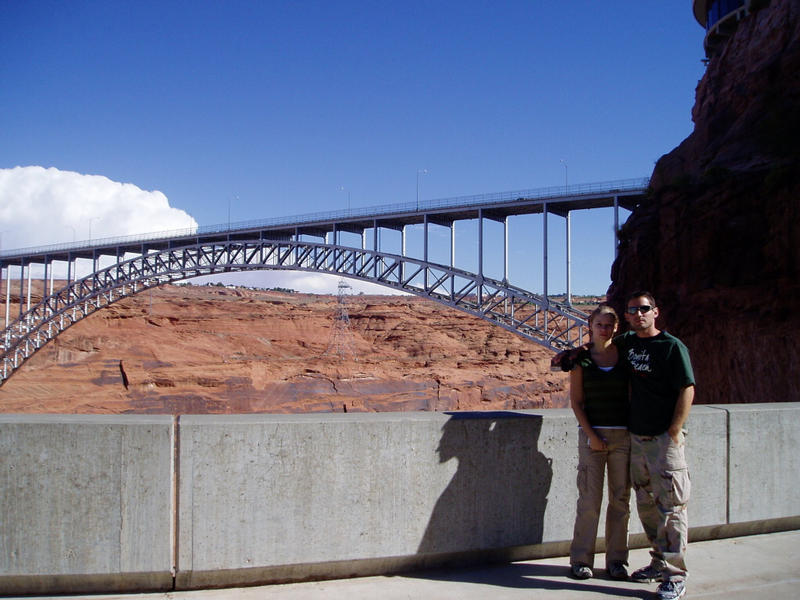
x=280 y=108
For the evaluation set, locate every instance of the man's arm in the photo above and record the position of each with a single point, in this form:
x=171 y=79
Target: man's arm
x=565 y=360
x=682 y=406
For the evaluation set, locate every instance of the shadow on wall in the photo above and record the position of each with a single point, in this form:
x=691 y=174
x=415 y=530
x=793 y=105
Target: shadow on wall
x=498 y=495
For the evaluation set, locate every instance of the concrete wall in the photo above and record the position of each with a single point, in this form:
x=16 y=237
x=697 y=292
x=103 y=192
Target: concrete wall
x=764 y=464
x=86 y=503
x=273 y=495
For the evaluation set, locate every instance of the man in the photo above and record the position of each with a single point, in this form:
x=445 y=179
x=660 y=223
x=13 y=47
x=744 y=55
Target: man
x=662 y=391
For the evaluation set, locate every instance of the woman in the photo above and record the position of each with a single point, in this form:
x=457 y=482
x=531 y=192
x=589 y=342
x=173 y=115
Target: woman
x=599 y=399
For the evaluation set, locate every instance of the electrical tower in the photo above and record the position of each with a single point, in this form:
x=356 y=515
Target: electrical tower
x=341 y=342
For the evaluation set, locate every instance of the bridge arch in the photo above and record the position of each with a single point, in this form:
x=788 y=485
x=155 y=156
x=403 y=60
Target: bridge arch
x=535 y=317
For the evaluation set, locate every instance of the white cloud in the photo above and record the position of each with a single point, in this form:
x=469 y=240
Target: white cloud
x=39 y=207
x=42 y=207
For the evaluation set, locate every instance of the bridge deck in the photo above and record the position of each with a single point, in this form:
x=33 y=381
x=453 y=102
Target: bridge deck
x=626 y=194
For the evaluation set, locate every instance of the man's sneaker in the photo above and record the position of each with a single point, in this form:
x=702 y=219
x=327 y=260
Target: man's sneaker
x=671 y=590
x=617 y=570
x=581 y=572
x=646 y=575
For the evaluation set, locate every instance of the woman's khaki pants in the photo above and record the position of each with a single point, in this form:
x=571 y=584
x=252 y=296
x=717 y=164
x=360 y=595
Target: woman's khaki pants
x=592 y=466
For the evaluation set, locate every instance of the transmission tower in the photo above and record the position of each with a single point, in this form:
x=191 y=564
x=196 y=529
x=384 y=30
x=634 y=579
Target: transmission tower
x=341 y=342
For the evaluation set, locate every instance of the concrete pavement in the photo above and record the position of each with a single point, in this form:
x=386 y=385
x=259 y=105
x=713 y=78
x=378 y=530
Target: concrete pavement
x=759 y=566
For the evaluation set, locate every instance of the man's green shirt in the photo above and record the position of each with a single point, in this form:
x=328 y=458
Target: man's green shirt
x=660 y=368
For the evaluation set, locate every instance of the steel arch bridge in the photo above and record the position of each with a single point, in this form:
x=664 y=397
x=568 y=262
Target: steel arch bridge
x=166 y=257
x=552 y=324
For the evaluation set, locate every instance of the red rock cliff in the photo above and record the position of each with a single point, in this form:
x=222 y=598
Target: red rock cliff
x=718 y=239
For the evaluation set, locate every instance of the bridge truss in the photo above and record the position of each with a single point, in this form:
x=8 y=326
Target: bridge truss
x=552 y=324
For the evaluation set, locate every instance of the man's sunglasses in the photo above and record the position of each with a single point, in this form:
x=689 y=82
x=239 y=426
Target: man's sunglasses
x=644 y=309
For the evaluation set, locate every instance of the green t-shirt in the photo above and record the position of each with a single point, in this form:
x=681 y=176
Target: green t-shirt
x=660 y=368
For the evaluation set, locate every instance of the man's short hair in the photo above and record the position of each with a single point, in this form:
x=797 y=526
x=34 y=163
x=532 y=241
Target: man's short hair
x=642 y=294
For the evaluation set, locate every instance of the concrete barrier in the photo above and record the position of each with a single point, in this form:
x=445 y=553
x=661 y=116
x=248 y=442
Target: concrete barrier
x=764 y=462
x=85 y=503
x=268 y=498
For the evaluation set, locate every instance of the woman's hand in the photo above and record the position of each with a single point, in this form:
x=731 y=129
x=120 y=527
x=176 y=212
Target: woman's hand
x=597 y=443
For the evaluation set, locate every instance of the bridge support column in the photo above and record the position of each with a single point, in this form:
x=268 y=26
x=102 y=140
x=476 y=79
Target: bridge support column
x=544 y=265
x=480 y=258
x=403 y=252
x=505 y=250
x=335 y=239
x=44 y=279
x=544 y=250
x=569 y=257
x=425 y=248
x=30 y=278
x=505 y=259
x=363 y=247
x=21 y=290
x=69 y=278
x=8 y=297
x=375 y=246
x=327 y=258
x=117 y=269
x=296 y=237
x=452 y=258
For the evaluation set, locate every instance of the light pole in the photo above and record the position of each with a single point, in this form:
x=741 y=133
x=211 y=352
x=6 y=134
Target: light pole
x=564 y=162
x=342 y=189
x=73 y=231
x=90 y=227
x=420 y=172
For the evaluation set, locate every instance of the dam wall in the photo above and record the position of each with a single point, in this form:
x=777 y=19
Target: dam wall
x=156 y=503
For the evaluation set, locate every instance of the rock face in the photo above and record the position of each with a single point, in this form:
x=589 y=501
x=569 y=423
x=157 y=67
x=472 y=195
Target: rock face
x=718 y=239
x=188 y=349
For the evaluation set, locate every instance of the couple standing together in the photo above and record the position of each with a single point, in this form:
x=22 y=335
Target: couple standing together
x=631 y=395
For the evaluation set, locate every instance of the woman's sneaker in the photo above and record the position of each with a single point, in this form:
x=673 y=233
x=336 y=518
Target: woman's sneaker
x=671 y=590
x=581 y=572
x=646 y=574
x=617 y=570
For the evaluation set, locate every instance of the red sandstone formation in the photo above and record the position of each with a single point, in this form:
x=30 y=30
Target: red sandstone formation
x=718 y=239
x=189 y=349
